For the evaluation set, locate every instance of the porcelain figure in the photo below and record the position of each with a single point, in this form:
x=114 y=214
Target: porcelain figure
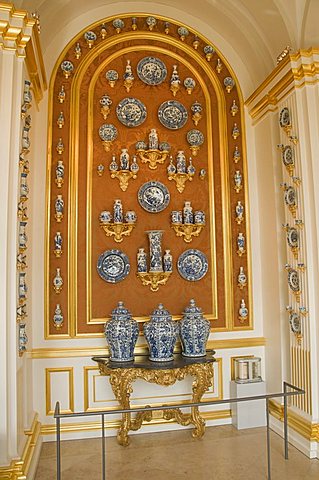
x=243 y=310
x=194 y=331
x=177 y=216
x=130 y=216
x=77 y=50
x=161 y=335
x=141 y=261
x=168 y=261
x=58 y=317
x=171 y=169
x=61 y=95
x=240 y=244
x=175 y=81
x=118 y=212
x=58 y=281
x=121 y=333
x=235 y=131
x=60 y=120
x=105 y=216
x=234 y=108
x=124 y=159
x=23 y=239
x=24 y=189
x=59 y=206
x=188 y=216
x=199 y=217
x=25 y=139
x=153 y=139
x=236 y=155
x=59 y=173
x=128 y=74
x=27 y=95
x=134 y=165
x=238 y=180
x=239 y=209
x=113 y=167
x=58 y=241
x=191 y=169
x=23 y=339
x=60 y=146
x=242 y=279
x=181 y=162
x=155 y=241
x=100 y=169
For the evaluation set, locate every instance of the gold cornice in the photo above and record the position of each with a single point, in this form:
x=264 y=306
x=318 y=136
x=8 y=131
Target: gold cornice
x=301 y=425
x=50 y=429
x=298 y=74
x=19 y=34
x=19 y=468
x=37 y=353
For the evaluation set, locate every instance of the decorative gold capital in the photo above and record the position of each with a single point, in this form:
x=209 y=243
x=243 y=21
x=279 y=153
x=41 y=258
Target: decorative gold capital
x=123 y=176
x=152 y=157
x=180 y=179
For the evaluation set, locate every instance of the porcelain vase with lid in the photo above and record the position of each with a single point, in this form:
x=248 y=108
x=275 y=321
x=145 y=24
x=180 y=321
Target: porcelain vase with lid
x=121 y=334
x=194 y=331
x=161 y=335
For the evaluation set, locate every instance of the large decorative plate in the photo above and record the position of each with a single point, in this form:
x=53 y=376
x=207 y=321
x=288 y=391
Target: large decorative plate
x=151 y=70
x=295 y=324
x=293 y=280
x=108 y=132
x=113 y=266
x=192 y=265
x=290 y=196
x=288 y=156
x=172 y=114
x=284 y=117
x=131 y=112
x=153 y=197
x=293 y=237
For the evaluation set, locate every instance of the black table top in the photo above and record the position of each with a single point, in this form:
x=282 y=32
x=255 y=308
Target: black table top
x=142 y=361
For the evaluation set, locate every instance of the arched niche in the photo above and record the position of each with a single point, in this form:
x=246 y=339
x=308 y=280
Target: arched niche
x=85 y=299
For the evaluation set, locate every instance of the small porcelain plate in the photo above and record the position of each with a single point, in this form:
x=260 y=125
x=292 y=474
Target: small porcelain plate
x=151 y=70
x=284 y=117
x=295 y=324
x=113 y=266
x=293 y=237
x=131 y=112
x=293 y=280
x=288 y=156
x=192 y=265
x=108 y=132
x=153 y=196
x=172 y=114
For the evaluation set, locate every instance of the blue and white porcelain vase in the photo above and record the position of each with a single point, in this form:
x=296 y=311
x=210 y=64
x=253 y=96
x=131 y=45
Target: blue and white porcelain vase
x=161 y=335
x=121 y=333
x=194 y=331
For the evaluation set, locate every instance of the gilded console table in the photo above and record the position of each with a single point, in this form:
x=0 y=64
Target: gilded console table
x=121 y=377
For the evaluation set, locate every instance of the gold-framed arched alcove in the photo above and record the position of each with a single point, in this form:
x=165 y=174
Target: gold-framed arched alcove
x=85 y=300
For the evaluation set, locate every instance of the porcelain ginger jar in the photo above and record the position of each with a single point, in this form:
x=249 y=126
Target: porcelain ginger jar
x=161 y=335
x=194 y=331
x=121 y=334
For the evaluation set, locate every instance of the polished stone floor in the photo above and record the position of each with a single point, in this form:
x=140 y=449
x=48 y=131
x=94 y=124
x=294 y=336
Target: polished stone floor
x=223 y=453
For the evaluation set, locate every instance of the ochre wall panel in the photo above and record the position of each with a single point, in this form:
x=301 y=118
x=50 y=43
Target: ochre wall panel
x=86 y=299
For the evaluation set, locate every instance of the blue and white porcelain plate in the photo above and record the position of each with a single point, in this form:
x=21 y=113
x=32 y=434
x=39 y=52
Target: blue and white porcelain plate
x=195 y=138
x=90 y=36
x=288 y=156
x=293 y=280
x=293 y=237
x=108 y=132
x=151 y=70
x=290 y=196
x=172 y=114
x=153 y=196
x=284 y=117
x=131 y=112
x=295 y=324
x=113 y=266
x=192 y=265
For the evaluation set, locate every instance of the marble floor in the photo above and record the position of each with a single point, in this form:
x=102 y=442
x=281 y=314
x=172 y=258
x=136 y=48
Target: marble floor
x=223 y=453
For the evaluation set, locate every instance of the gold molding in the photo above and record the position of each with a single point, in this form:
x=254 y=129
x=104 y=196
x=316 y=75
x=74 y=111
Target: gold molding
x=301 y=425
x=75 y=352
x=20 y=35
x=19 y=468
x=296 y=77
x=223 y=158
x=50 y=429
x=48 y=372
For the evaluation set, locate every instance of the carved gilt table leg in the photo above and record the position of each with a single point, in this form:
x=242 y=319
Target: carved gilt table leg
x=204 y=378
x=121 y=382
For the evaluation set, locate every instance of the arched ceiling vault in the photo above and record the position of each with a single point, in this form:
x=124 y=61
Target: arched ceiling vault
x=249 y=33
